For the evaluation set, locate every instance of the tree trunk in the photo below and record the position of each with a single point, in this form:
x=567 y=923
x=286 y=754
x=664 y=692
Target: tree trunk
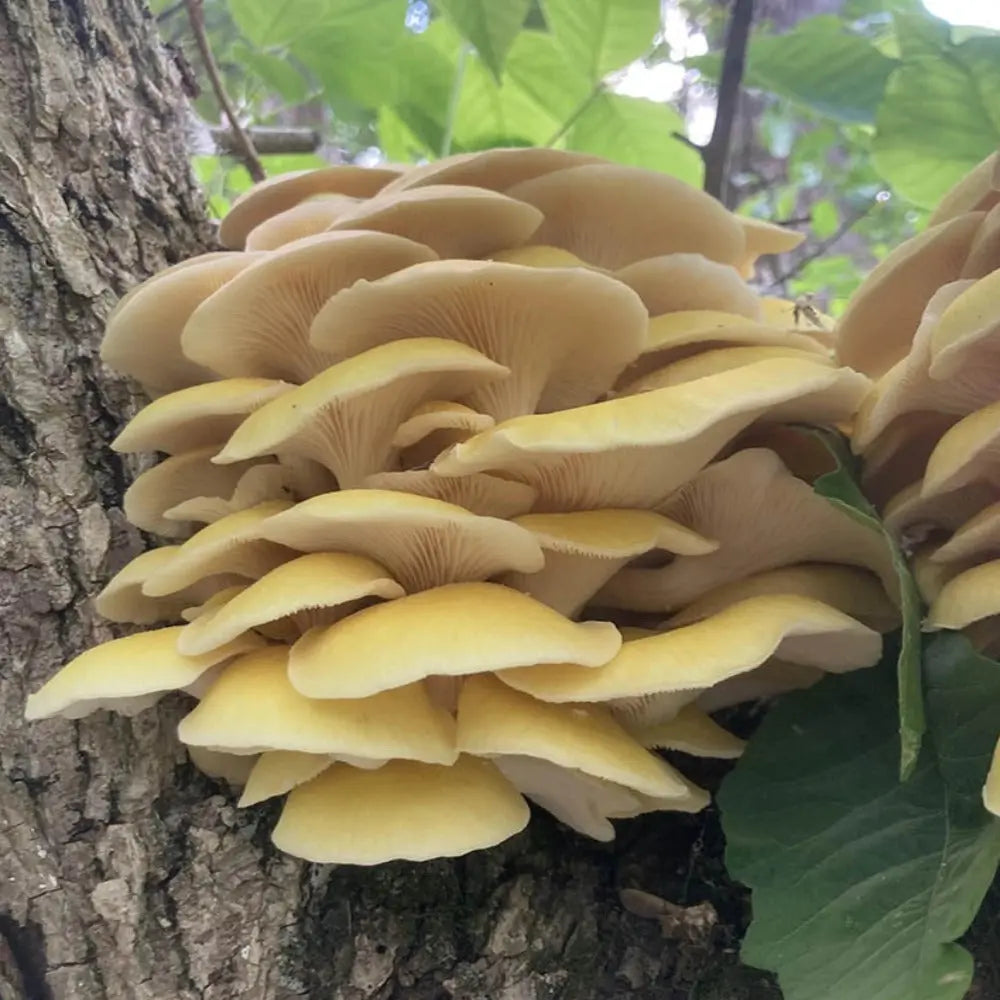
x=123 y=872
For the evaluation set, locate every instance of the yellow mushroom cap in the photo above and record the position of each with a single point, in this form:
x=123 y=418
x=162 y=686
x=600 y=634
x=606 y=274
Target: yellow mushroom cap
x=126 y=675
x=175 y=480
x=878 y=326
x=978 y=190
x=422 y=542
x=970 y=320
x=763 y=238
x=276 y=772
x=612 y=216
x=232 y=544
x=693 y=657
x=404 y=810
x=258 y=324
x=984 y=254
x=437 y=415
x=968 y=451
x=762 y=518
x=479 y=493
x=307 y=218
x=635 y=450
x=228 y=767
x=991 y=788
x=766 y=681
x=584 y=549
x=259 y=484
x=966 y=598
x=345 y=417
x=691 y=731
x=277 y=194
x=455 y=630
x=453 y=221
x=686 y=282
x=976 y=537
x=143 y=334
x=196 y=417
x=564 y=333
x=251 y=706
x=320 y=581
x=537 y=255
x=495 y=169
x=494 y=719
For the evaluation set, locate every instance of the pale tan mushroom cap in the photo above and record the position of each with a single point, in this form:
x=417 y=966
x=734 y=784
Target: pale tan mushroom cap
x=970 y=321
x=966 y=598
x=421 y=541
x=565 y=333
x=196 y=417
x=280 y=193
x=984 y=254
x=126 y=675
x=968 y=451
x=635 y=450
x=228 y=767
x=405 y=810
x=258 y=323
x=143 y=334
x=251 y=706
x=455 y=630
x=691 y=731
x=763 y=238
x=612 y=216
x=494 y=719
x=453 y=221
x=309 y=217
x=437 y=415
x=345 y=417
x=479 y=493
x=693 y=657
x=321 y=580
x=978 y=190
x=977 y=536
x=538 y=255
x=276 y=772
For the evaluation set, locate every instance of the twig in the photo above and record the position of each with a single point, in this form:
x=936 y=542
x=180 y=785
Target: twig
x=244 y=147
x=715 y=153
x=268 y=140
x=821 y=248
x=453 y=99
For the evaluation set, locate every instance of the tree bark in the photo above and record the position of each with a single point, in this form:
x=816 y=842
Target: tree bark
x=124 y=873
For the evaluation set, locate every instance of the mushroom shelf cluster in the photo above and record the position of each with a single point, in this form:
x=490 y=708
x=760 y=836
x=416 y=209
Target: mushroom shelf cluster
x=926 y=326
x=483 y=481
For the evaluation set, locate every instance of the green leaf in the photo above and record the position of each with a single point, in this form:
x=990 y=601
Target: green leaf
x=600 y=36
x=539 y=67
x=940 y=116
x=489 y=26
x=637 y=132
x=840 y=487
x=274 y=70
x=818 y=64
x=861 y=883
x=396 y=140
x=825 y=218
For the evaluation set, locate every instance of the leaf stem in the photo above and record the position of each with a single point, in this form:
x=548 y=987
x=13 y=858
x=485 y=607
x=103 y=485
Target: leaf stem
x=456 y=93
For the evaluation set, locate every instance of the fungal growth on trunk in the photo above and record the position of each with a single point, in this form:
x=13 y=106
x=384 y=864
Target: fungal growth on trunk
x=483 y=485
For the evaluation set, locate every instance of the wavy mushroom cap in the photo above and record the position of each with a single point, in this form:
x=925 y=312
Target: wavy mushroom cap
x=969 y=323
x=984 y=254
x=251 y=706
x=538 y=255
x=196 y=417
x=613 y=216
x=584 y=549
x=881 y=319
x=308 y=218
x=480 y=493
x=697 y=656
x=405 y=810
x=968 y=597
x=314 y=589
x=564 y=333
x=767 y=681
x=968 y=452
x=452 y=221
x=762 y=518
x=345 y=417
x=690 y=282
x=259 y=484
x=764 y=238
x=636 y=450
x=258 y=324
x=277 y=772
x=455 y=630
x=433 y=427
x=423 y=543
x=143 y=334
x=691 y=731
x=126 y=675
x=976 y=539
x=285 y=191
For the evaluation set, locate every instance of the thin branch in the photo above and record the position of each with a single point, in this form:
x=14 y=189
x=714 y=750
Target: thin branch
x=821 y=248
x=715 y=153
x=577 y=111
x=681 y=137
x=453 y=99
x=244 y=147
x=267 y=140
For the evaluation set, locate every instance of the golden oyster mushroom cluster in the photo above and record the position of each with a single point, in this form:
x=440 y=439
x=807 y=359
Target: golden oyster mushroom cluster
x=926 y=325
x=483 y=486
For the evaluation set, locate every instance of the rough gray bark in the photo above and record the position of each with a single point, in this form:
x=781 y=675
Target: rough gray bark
x=123 y=872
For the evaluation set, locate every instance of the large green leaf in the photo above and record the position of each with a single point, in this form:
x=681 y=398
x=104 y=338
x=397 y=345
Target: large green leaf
x=540 y=68
x=941 y=112
x=638 y=132
x=861 y=883
x=599 y=36
x=490 y=26
x=840 y=487
x=819 y=64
